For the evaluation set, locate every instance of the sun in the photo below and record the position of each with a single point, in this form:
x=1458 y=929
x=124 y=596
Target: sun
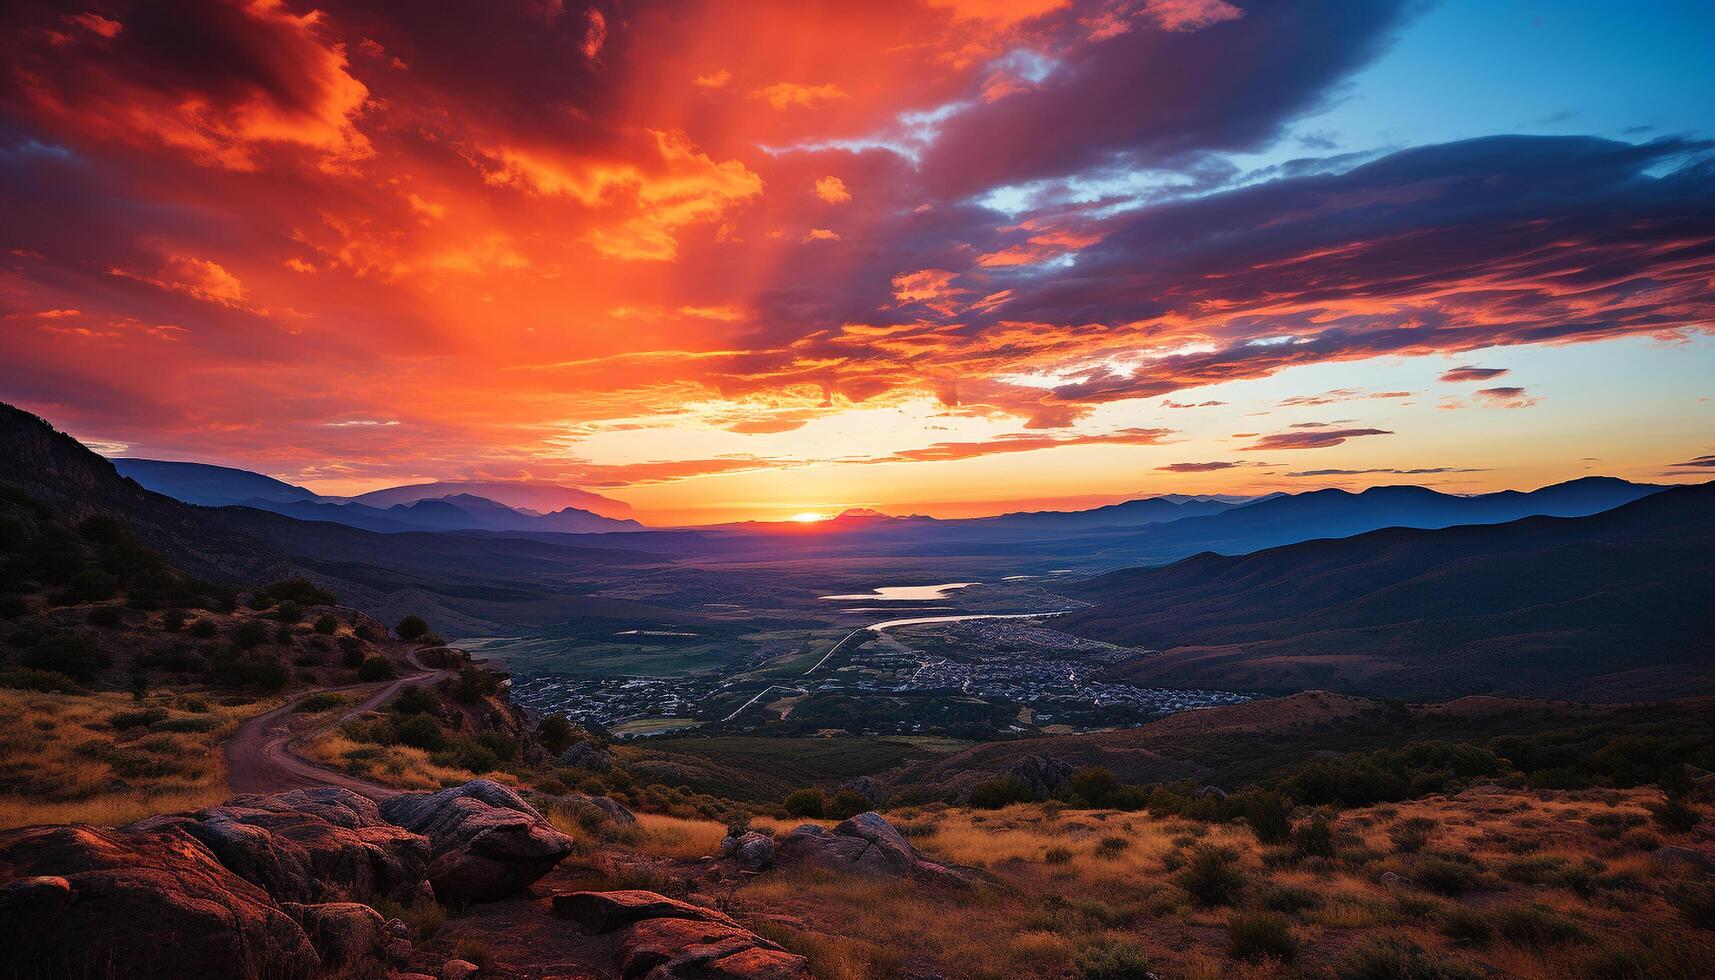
x=808 y=517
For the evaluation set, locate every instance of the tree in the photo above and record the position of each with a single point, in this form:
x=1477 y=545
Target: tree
x=555 y=733
x=326 y=625
x=411 y=628
x=375 y=669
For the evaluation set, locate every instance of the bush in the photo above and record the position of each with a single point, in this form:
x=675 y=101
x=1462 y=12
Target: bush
x=326 y=624
x=1257 y=936
x=1270 y=816
x=474 y=684
x=1057 y=855
x=1444 y=876
x=70 y=654
x=43 y=681
x=555 y=733
x=1093 y=785
x=173 y=620
x=103 y=616
x=1210 y=877
x=249 y=669
x=411 y=628
x=1313 y=838
x=249 y=634
x=301 y=591
x=465 y=754
x=847 y=803
x=142 y=718
x=1535 y=926
x=13 y=606
x=1287 y=898
x=1396 y=958
x=318 y=702
x=806 y=803
x=375 y=669
x=413 y=700
x=992 y=794
x=1675 y=814
x=351 y=651
x=420 y=732
x=1112 y=961
x=1112 y=846
x=1412 y=835
x=1696 y=903
x=203 y=629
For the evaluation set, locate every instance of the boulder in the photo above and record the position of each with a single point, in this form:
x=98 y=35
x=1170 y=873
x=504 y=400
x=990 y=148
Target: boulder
x=752 y=850
x=587 y=755
x=459 y=970
x=662 y=938
x=866 y=844
x=142 y=905
x=1041 y=774
x=485 y=842
x=1689 y=857
x=615 y=811
x=603 y=912
x=683 y=949
x=346 y=934
x=309 y=846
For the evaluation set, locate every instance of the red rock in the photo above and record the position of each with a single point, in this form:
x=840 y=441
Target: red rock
x=602 y=912
x=145 y=906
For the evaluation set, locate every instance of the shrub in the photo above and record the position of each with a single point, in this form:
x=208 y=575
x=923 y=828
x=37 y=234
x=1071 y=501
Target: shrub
x=250 y=633
x=43 y=681
x=375 y=669
x=141 y=718
x=1467 y=927
x=413 y=700
x=1287 y=898
x=326 y=624
x=465 y=754
x=173 y=620
x=1675 y=814
x=504 y=746
x=806 y=803
x=1057 y=855
x=1444 y=876
x=1696 y=903
x=1210 y=877
x=203 y=629
x=70 y=654
x=473 y=684
x=1396 y=958
x=318 y=702
x=1412 y=835
x=249 y=669
x=1093 y=785
x=1270 y=816
x=555 y=733
x=13 y=606
x=351 y=651
x=1112 y=961
x=1313 y=838
x=847 y=803
x=420 y=732
x=1536 y=926
x=992 y=794
x=1112 y=846
x=1257 y=936
x=103 y=616
x=301 y=591
x=411 y=628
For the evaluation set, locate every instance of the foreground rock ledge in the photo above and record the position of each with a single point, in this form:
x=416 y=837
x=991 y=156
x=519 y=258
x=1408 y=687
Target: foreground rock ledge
x=487 y=843
x=663 y=938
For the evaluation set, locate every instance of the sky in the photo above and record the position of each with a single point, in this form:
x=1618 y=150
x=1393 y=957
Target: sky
x=753 y=259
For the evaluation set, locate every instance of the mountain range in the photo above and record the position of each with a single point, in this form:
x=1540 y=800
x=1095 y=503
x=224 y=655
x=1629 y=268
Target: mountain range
x=1614 y=606
x=449 y=506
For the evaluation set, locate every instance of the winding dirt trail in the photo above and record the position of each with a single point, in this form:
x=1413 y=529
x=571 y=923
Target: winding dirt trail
x=261 y=755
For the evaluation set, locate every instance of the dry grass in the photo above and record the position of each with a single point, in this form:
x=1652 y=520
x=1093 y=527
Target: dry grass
x=394 y=765
x=63 y=760
x=1053 y=915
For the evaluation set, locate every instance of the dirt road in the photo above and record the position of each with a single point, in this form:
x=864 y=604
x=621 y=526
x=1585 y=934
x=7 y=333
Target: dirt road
x=260 y=756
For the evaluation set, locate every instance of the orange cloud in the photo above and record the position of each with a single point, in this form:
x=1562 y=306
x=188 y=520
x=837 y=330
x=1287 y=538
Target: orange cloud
x=788 y=95
x=832 y=190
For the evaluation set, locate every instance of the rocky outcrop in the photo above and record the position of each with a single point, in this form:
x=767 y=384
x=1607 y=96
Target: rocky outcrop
x=314 y=845
x=587 y=755
x=1043 y=776
x=867 y=788
x=347 y=935
x=664 y=938
x=868 y=845
x=87 y=901
x=753 y=851
x=614 y=811
x=486 y=843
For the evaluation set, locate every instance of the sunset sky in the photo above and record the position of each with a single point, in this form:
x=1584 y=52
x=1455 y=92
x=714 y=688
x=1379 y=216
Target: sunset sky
x=732 y=260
